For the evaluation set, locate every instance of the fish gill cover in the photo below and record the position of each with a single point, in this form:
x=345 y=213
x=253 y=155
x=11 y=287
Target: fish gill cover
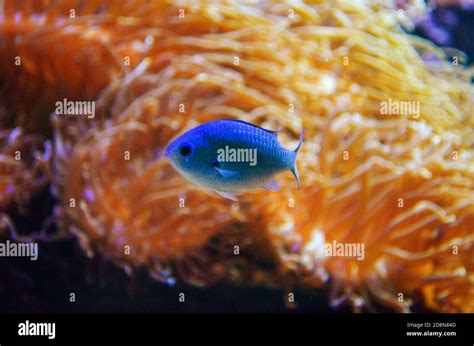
x=387 y=162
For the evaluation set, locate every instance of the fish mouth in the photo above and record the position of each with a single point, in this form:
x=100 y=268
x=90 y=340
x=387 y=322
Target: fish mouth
x=167 y=153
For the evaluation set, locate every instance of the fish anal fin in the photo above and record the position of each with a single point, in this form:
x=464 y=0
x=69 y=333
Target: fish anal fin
x=228 y=195
x=272 y=186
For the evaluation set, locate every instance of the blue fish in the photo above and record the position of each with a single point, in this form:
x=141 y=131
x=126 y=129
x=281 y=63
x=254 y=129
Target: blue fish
x=232 y=157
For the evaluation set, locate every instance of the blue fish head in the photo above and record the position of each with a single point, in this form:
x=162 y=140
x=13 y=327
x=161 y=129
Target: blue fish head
x=189 y=153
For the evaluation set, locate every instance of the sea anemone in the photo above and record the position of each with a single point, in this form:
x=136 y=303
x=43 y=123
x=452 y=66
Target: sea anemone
x=400 y=184
x=24 y=168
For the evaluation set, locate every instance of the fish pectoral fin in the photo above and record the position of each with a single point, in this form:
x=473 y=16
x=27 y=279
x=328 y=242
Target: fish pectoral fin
x=228 y=195
x=272 y=186
x=225 y=173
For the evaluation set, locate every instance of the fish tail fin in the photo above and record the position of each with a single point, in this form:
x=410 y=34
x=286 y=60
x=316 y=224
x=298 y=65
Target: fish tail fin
x=294 y=169
x=299 y=144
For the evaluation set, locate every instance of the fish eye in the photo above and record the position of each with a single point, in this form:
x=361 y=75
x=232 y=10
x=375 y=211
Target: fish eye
x=185 y=150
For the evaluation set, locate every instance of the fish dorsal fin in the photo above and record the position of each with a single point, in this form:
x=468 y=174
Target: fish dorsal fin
x=275 y=133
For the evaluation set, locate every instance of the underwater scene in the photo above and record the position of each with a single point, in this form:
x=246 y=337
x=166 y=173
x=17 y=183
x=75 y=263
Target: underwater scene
x=236 y=156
